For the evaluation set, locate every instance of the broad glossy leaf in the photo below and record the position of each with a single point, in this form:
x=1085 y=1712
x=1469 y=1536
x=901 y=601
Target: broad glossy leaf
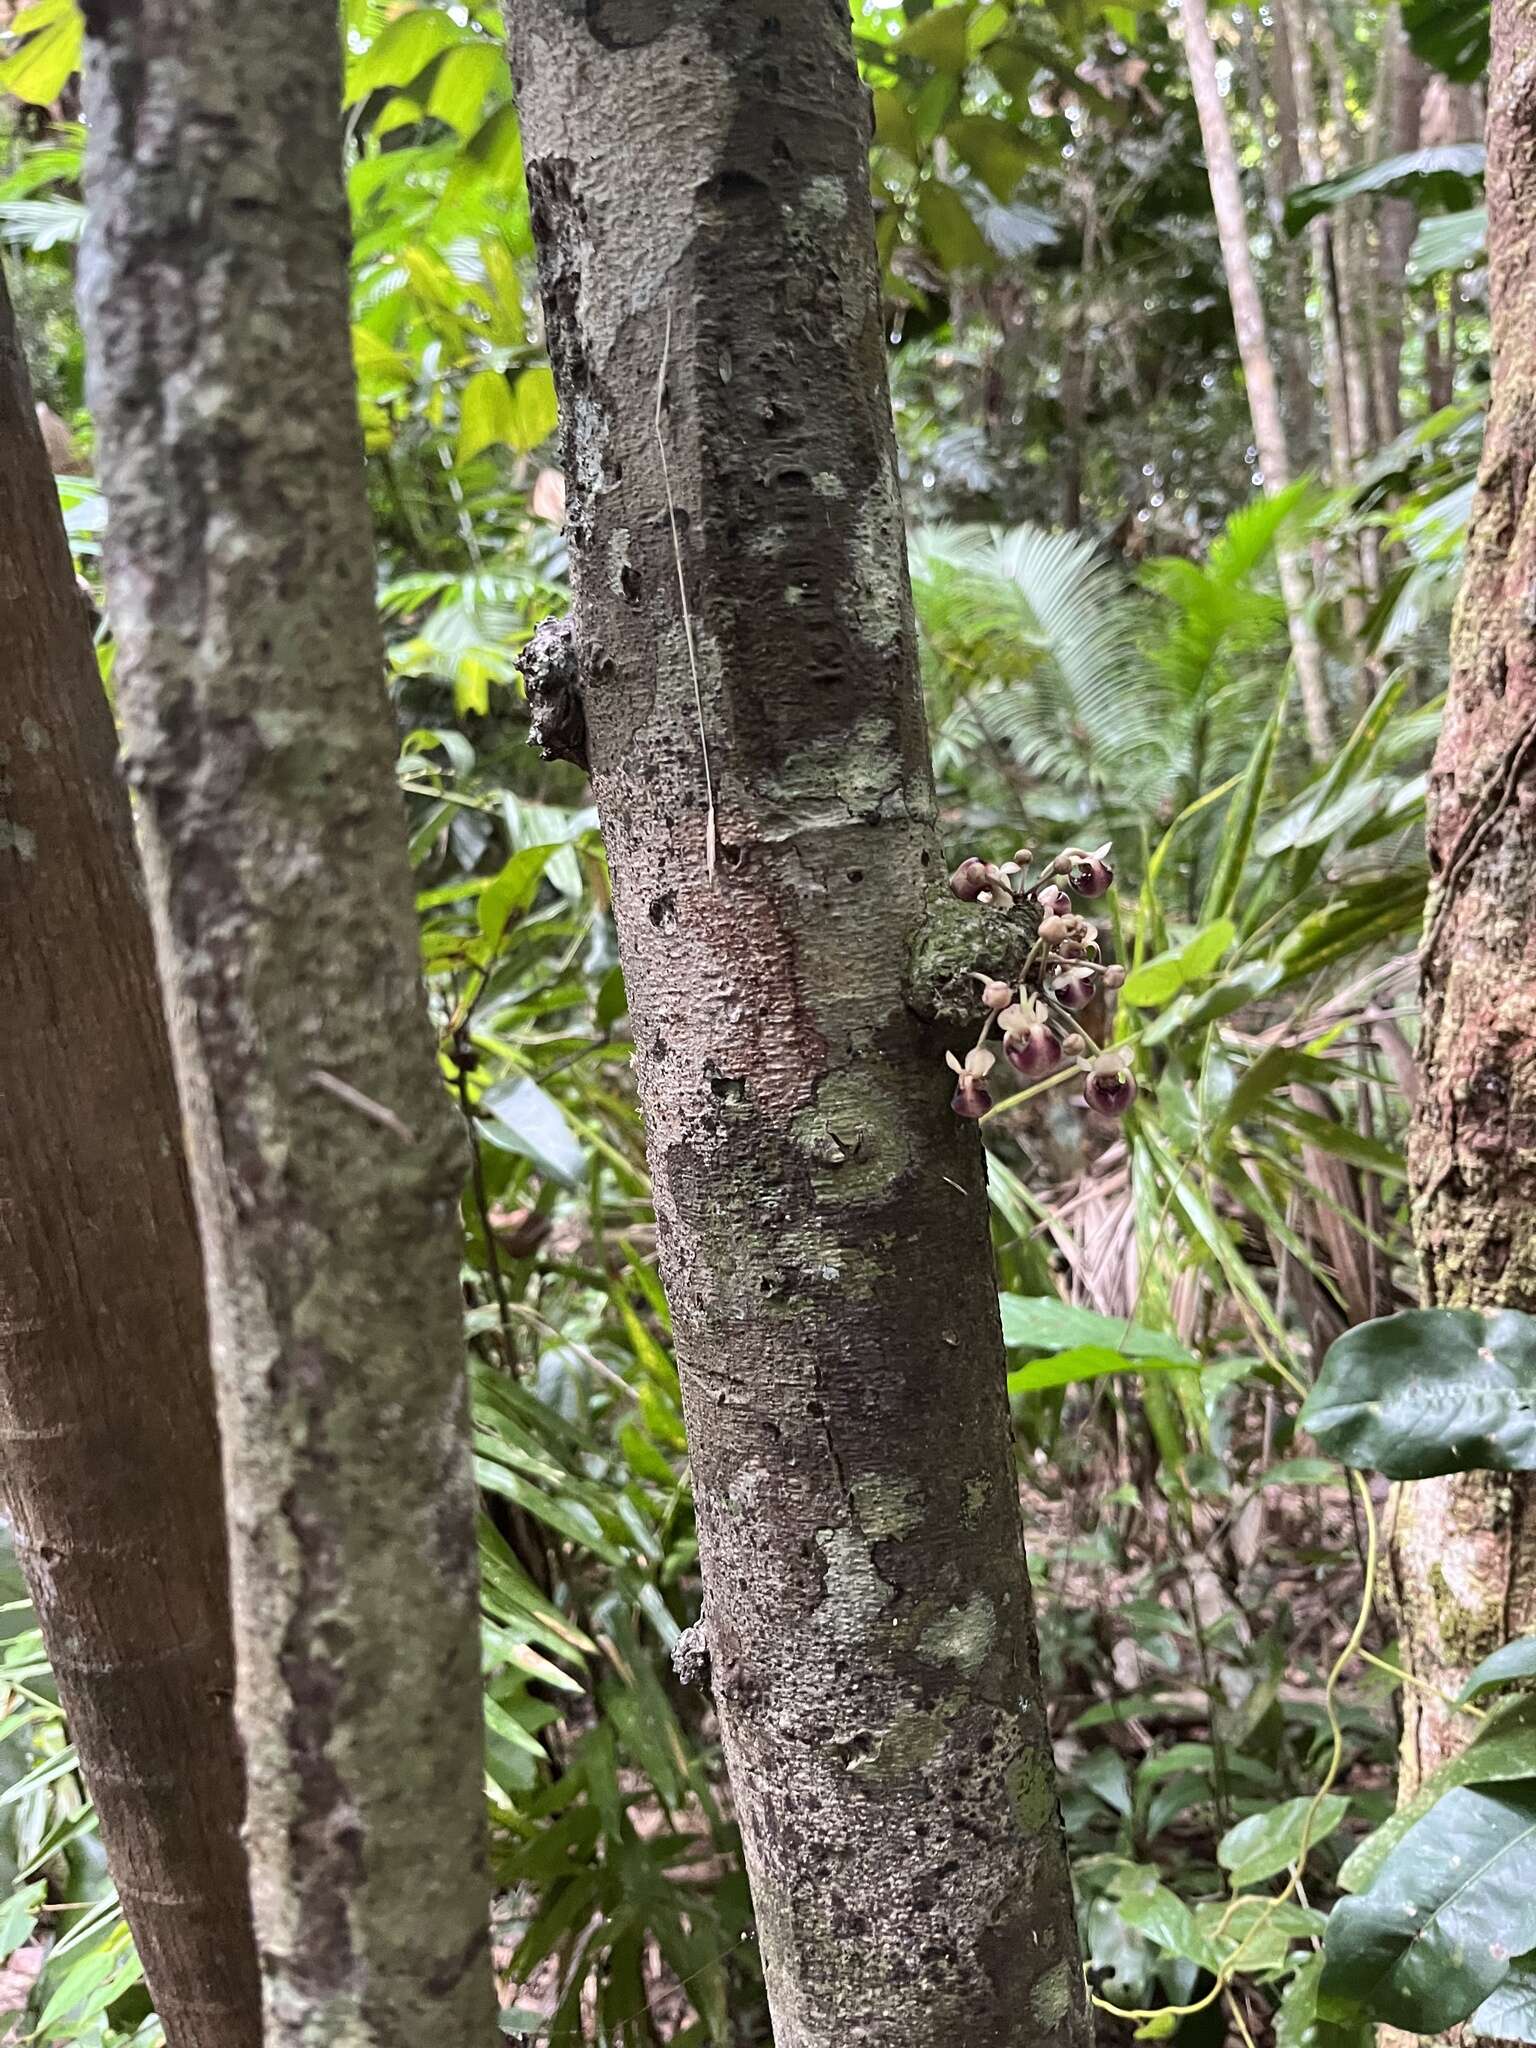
x=1430 y=1391
x=1269 y=1842
x=1502 y=1752
x=1508 y=2013
x=521 y=1118
x=1514 y=1661
x=1440 y=176
x=1451 y=1907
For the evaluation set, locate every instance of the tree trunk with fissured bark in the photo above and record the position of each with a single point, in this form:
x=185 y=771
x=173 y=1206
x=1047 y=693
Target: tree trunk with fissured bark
x=1463 y=1549
x=745 y=652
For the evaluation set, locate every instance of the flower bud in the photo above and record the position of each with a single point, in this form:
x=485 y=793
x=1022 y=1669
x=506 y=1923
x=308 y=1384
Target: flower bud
x=1073 y=989
x=1114 y=977
x=1090 y=874
x=1024 y=855
x=1109 y=1094
x=1054 y=929
x=970 y=1099
x=1033 y=1051
x=969 y=879
x=996 y=995
x=1073 y=1044
x=1109 y=1088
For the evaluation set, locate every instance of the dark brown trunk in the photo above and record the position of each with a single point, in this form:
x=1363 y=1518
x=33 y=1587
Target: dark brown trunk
x=325 y=1158
x=746 y=651
x=110 y=1466
x=1464 y=1549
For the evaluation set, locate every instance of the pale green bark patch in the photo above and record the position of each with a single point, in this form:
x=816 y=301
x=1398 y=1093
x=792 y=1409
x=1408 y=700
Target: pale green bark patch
x=962 y=1637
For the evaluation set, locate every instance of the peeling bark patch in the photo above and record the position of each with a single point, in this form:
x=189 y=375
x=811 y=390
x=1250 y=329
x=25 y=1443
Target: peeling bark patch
x=18 y=839
x=962 y=1637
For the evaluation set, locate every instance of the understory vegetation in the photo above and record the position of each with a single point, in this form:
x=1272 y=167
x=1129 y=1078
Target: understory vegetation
x=1107 y=658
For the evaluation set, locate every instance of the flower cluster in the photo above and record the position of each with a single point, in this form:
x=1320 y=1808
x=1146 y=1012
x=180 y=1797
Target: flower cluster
x=1038 y=1021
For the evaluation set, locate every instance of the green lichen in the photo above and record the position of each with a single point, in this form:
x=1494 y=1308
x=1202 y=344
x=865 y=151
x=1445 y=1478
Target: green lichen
x=955 y=942
x=1051 y=1999
x=1467 y=1630
x=1032 y=1790
x=962 y=1637
x=911 y=1741
x=18 y=839
x=888 y=1509
x=977 y=1493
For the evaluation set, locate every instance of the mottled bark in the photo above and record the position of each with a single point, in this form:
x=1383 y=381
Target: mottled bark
x=324 y=1158
x=109 y=1455
x=700 y=198
x=1463 y=1549
x=1258 y=367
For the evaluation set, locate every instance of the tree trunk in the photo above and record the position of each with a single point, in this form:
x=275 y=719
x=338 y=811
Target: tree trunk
x=1464 y=1549
x=1281 y=168
x=1403 y=77
x=745 y=650
x=323 y=1151
x=111 y=1456
x=1253 y=349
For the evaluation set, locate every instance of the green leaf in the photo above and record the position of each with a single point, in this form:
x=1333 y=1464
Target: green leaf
x=402 y=50
x=994 y=149
x=1450 y=34
x=1515 y=1661
x=1146 y=1903
x=1158 y=981
x=1448 y=241
x=519 y=415
x=894 y=126
x=1503 y=1752
x=1450 y=1908
x=504 y=899
x=1154 y=983
x=521 y=1118
x=462 y=81
x=1082 y=1362
x=1269 y=1842
x=1441 y=176
x=51 y=34
x=1242 y=817
x=1042 y=1324
x=18 y=1916
x=1508 y=2013
x=534 y=409
x=1298 y=2023
x=1428 y=1392
x=1262 y=1929
x=952 y=234
x=1206 y=948
x=939 y=37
